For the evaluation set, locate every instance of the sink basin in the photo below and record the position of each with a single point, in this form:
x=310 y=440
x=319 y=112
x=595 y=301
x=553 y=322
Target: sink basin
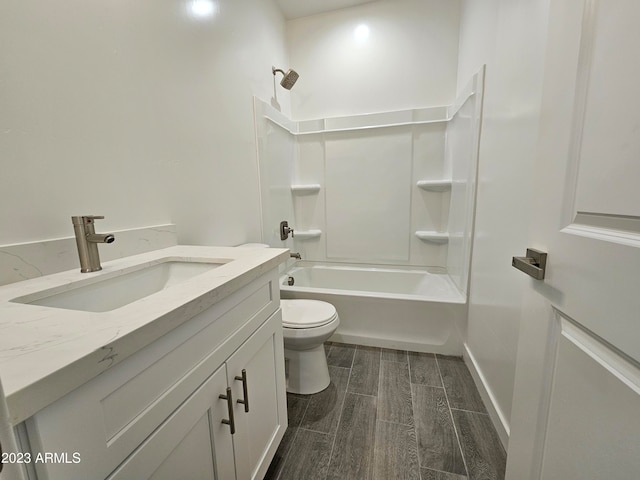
x=108 y=294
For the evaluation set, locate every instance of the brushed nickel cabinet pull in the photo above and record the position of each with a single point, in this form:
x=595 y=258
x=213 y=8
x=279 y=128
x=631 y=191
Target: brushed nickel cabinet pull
x=245 y=390
x=230 y=421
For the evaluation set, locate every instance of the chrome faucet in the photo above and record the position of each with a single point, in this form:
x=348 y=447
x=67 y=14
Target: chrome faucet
x=87 y=240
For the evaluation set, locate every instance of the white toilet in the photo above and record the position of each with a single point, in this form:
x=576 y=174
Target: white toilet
x=307 y=324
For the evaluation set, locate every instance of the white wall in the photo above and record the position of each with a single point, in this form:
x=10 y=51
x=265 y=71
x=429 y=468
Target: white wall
x=509 y=36
x=139 y=111
x=409 y=59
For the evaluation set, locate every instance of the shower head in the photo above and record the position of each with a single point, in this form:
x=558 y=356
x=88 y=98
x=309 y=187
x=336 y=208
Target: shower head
x=289 y=79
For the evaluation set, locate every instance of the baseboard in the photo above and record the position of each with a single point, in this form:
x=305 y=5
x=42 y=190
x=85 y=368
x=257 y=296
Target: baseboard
x=497 y=417
x=372 y=341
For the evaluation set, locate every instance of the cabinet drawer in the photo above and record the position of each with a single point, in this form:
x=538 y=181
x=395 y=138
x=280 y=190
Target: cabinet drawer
x=107 y=418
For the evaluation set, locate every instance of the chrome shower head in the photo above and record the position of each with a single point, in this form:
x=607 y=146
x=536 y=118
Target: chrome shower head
x=289 y=79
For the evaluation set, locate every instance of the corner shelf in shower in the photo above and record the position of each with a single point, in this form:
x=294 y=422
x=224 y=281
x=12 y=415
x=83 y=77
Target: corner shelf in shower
x=306 y=234
x=435 y=185
x=305 y=189
x=433 y=237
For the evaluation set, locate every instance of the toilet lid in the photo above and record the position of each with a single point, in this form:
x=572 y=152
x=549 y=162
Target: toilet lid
x=306 y=313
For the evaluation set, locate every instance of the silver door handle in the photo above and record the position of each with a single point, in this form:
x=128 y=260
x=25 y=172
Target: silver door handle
x=534 y=264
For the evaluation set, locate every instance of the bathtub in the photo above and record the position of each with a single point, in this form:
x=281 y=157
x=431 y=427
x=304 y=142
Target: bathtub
x=401 y=308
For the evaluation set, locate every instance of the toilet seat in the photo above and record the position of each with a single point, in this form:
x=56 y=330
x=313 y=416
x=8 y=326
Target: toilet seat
x=306 y=313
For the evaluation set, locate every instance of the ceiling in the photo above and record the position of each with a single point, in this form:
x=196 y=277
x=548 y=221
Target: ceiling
x=302 y=8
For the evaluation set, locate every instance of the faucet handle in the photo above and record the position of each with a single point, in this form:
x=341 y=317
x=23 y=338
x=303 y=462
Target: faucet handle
x=285 y=230
x=90 y=218
x=85 y=219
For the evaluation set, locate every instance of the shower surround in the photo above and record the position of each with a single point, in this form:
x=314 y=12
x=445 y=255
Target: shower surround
x=386 y=191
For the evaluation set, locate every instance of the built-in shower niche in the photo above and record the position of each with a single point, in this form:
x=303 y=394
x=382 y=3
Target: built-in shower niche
x=392 y=188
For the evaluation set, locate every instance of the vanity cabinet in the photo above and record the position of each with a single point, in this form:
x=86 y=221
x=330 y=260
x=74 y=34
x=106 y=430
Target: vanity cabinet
x=159 y=414
x=184 y=446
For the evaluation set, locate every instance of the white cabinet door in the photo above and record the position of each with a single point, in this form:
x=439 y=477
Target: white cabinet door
x=185 y=445
x=259 y=431
x=577 y=391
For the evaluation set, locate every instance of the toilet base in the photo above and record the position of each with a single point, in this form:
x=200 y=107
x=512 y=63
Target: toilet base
x=306 y=370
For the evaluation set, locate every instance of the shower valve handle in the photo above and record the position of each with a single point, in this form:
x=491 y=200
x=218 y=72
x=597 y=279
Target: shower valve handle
x=285 y=230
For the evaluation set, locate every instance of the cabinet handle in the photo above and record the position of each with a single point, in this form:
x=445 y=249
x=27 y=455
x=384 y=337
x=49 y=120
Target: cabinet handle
x=245 y=390
x=231 y=421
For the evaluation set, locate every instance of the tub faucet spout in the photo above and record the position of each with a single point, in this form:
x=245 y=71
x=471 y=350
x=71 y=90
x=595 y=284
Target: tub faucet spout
x=295 y=255
x=87 y=241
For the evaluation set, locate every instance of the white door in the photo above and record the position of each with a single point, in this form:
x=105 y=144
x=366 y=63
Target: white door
x=576 y=412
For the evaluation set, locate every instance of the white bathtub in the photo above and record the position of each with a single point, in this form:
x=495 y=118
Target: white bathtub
x=410 y=309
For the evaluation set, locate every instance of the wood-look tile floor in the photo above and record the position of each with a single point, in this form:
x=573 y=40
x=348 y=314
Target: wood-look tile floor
x=389 y=414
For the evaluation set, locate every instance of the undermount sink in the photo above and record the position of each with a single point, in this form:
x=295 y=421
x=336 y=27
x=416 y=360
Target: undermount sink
x=108 y=294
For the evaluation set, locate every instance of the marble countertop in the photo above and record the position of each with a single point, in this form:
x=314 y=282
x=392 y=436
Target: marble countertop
x=47 y=352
